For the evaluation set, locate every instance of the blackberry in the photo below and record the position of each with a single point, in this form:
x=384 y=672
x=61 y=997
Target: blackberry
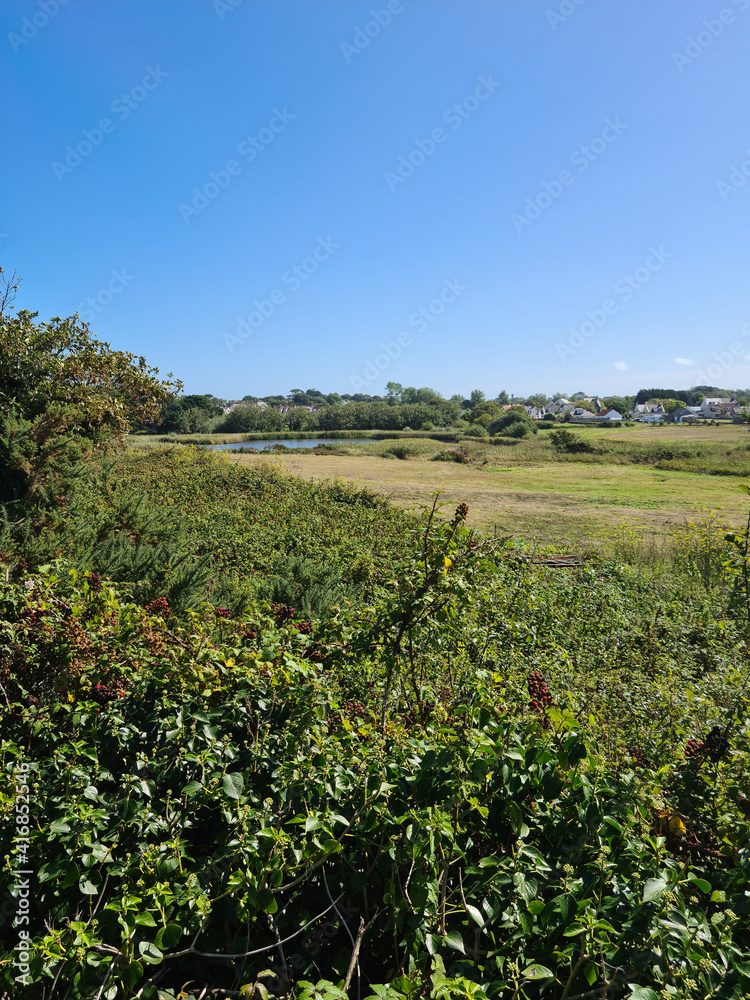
x=461 y=512
x=714 y=746
x=304 y=627
x=159 y=606
x=640 y=757
x=95 y=581
x=539 y=694
x=222 y=612
x=283 y=612
x=102 y=694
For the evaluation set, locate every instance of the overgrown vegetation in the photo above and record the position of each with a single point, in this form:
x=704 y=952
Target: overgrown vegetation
x=264 y=737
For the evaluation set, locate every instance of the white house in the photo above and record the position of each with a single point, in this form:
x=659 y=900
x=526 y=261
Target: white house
x=649 y=413
x=712 y=407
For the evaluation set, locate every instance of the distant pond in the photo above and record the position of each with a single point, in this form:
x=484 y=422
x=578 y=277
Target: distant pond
x=302 y=443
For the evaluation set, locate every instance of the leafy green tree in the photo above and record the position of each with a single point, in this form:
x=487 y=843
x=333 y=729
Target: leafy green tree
x=486 y=412
x=670 y=405
x=477 y=397
x=503 y=398
x=64 y=395
x=513 y=423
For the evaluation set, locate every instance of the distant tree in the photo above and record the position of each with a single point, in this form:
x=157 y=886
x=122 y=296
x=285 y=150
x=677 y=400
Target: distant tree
x=670 y=405
x=623 y=404
x=477 y=397
x=394 y=392
x=513 y=423
x=486 y=412
x=538 y=399
x=577 y=397
x=503 y=398
x=333 y=398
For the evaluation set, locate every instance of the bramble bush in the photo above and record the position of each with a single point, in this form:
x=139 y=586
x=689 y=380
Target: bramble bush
x=476 y=781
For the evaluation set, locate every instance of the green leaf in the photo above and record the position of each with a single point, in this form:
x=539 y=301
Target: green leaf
x=88 y=888
x=145 y=919
x=475 y=915
x=150 y=954
x=233 y=784
x=455 y=941
x=167 y=937
x=165 y=866
x=59 y=826
x=653 y=888
x=192 y=788
x=536 y=906
x=702 y=884
x=642 y=992
x=538 y=972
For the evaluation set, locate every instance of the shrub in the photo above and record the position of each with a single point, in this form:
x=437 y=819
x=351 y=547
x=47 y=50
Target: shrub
x=514 y=423
x=567 y=441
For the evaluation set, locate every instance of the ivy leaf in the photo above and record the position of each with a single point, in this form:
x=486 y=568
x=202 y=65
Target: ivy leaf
x=192 y=788
x=642 y=992
x=167 y=937
x=538 y=972
x=150 y=954
x=653 y=888
x=454 y=940
x=233 y=784
x=145 y=919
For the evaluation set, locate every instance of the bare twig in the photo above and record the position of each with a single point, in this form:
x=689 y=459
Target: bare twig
x=355 y=955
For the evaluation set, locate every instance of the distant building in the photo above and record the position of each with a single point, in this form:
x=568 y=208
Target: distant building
x=715 y=407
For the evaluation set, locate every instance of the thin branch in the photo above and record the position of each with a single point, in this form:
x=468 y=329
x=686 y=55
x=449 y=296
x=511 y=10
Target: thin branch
x=353 y=963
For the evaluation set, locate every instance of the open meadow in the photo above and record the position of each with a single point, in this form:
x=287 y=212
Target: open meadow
x=653 y=479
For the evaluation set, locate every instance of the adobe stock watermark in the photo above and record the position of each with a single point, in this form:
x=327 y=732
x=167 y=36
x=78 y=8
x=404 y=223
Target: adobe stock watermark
x=624 y=290
x=565 y=10
x=420 y=321
x=33 y=24
x=95 y=304
x=294 y=277
x=371 y=29
x=582 y=158
x=249 y=148
x=122 y=106
x=224 y=7
x=737 y=178
x=21 y=887
x=711 y=29
x=454 y=116
x=724 y=360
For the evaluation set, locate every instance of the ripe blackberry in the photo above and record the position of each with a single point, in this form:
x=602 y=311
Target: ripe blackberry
x=713 y=747
x=159 y=606
x=283 y=612
x=222 y=612
x=102 y=694
x=461 y=512
x=95 y=581
x=539 y=694
x=304 y=627
x=640 y=757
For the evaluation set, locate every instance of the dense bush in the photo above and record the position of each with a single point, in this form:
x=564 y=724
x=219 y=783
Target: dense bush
x=513 y=423
x=498 y=785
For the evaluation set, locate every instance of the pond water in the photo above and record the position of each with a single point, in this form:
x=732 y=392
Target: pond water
x=302 y=443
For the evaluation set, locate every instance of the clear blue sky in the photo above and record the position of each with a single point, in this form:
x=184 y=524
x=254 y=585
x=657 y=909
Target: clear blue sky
x=315 y=106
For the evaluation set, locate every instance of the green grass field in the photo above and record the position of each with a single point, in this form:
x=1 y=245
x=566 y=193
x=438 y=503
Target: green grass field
x=651 y=478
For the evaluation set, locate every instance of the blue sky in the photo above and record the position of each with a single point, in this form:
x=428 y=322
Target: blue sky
x=259 y=195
